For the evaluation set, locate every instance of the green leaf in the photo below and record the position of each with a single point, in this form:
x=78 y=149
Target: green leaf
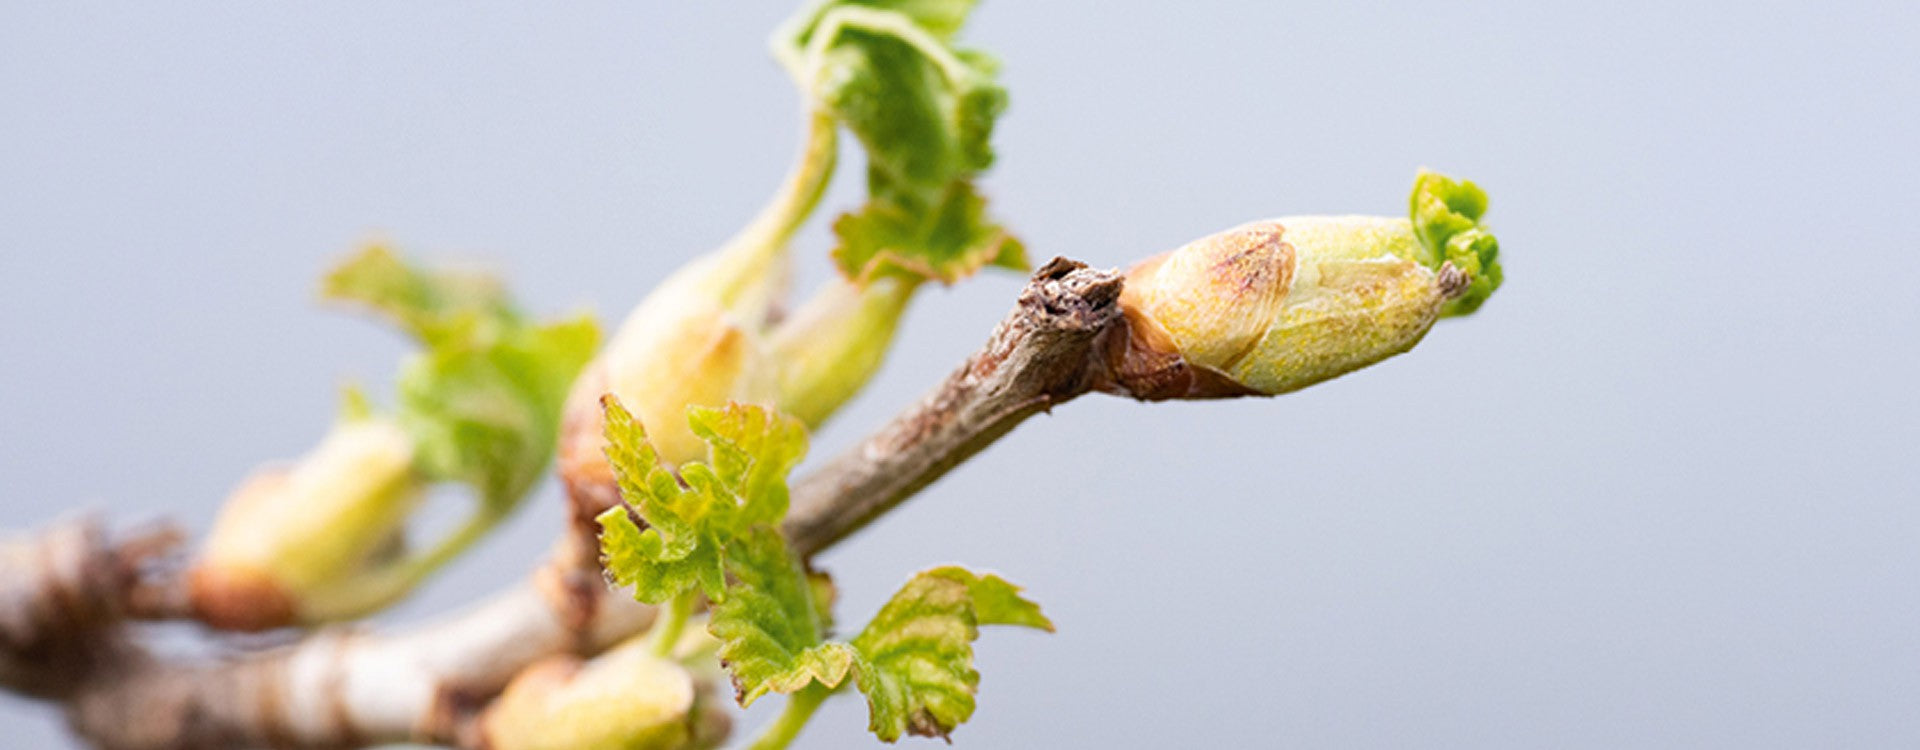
x=770 y=626
x=486 y=411
x=925 y=111
x=995 y=600
x=1446 y=217
x=946 y=244
x=427 y=305
x=941 y=18
x=916 y=655
x=750 y=451
x=483 y=399
x=680 y=548
x=637 y=558
x=692 y=528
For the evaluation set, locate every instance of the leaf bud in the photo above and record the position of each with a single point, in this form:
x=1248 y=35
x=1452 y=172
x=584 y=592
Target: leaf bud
x=316 y=541
x=1277 y=305
x=695 y=340
x=624 y=699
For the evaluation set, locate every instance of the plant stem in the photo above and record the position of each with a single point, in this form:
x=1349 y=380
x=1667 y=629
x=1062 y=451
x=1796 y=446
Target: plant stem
x=376 y=589
x=793 y=718
x=761 y=241
x=671 y=623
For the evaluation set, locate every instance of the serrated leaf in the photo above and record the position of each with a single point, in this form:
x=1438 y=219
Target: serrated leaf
x=750 y=451
x=916 y=655
x=995 y=600
x=637 y=558
x=946 y=244
x=679 y=550
x=769 y=627
x=693 y=527
x=924 y=111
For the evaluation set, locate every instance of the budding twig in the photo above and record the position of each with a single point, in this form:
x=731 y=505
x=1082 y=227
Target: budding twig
x=1071 y=332
x=342 y=687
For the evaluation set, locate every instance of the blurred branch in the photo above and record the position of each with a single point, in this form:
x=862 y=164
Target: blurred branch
x=65 y=594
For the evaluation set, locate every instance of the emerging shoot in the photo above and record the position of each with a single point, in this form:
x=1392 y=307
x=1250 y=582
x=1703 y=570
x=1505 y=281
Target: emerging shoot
x=924 y=111
x=479 y=405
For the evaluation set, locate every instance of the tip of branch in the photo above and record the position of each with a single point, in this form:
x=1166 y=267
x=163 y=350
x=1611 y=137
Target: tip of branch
x=1074 y=296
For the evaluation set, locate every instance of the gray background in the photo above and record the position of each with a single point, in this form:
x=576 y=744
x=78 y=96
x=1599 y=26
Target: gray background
x=1659 y=493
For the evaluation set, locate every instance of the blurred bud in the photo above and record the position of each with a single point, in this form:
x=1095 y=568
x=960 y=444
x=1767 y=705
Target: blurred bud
x=1278 y=305
x=624 y=699
x=830 y=348
x=315 y=542
x=694 y=340
x=706 y=337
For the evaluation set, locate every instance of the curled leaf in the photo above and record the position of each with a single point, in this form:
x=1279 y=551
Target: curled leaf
x=925 y=112
x=916 y=665
x=769 y=627
x=1446 y=216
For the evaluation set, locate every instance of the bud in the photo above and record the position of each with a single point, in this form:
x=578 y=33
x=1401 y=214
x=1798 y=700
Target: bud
x=705 y=337
x=695 y=340
x=624 y=699
x=314 y=542
x=1275 y=306
x=829 y=348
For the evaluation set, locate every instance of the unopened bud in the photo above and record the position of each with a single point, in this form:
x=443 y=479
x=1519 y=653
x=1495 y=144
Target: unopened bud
x=695 y=340
x=831 y=347
x=1278 y=305
x=624 y=699
x=311 y=543
x=705 y=337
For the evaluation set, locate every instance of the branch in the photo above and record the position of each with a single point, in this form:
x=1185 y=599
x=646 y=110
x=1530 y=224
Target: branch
x=1049 y=350
x=64 y=595
x=343 y=687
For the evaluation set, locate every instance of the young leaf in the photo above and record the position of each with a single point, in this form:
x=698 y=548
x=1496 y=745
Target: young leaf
x=995 y=600
x=946 y=244
x=1446 y=217
x=487 y=412
x=692 y=528
x=483 y=399
x=916 y=655
x=925 y=112
x=750 y=451
x=769 y=627
x=680 y=548
x=428 y=306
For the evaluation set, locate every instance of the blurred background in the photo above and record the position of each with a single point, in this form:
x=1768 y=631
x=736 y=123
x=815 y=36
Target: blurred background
x=1661 y=492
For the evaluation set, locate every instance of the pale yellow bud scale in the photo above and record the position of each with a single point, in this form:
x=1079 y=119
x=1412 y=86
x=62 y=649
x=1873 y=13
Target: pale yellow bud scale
x=1281 y=304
